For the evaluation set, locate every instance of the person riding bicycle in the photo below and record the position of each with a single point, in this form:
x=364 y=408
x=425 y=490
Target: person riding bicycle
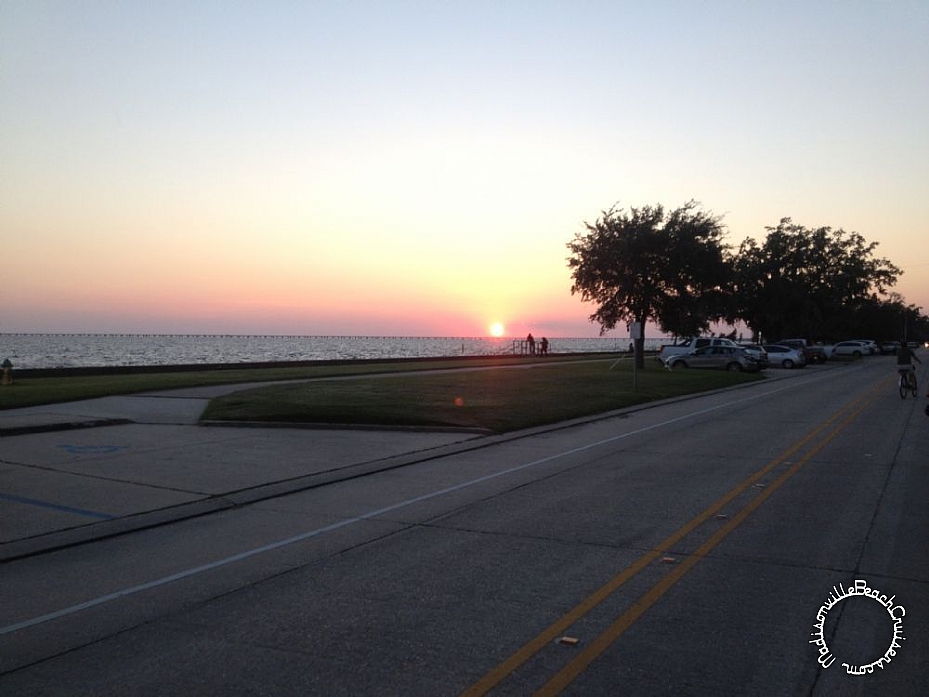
x=905 y=358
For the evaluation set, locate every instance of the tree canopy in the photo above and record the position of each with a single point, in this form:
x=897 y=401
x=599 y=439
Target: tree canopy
x=644 y=264
x=675 y=270
x=807 y=283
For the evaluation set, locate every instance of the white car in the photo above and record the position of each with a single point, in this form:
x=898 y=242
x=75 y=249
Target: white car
x=780 y=356
x=871 y=345
x=856 y=349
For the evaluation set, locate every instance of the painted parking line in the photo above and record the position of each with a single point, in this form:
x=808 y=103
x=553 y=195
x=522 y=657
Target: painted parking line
x=56 y=507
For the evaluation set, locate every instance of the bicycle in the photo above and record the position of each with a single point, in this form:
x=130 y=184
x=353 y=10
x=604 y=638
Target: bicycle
x=908 y=381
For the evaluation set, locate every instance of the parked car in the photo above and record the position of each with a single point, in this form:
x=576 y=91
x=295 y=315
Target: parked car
x=890 y=347
x=685 y=347
x=723 y=357
x=856 y=349
x=757 y=352
x=785 y=356
x=871 y=345
x=813 y=353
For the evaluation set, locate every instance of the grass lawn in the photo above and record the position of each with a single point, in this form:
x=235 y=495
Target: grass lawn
x=497 y=394
x=499 y=400
x=34 y=391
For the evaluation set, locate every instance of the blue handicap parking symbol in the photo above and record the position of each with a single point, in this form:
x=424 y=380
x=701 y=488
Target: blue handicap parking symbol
x=92 y=449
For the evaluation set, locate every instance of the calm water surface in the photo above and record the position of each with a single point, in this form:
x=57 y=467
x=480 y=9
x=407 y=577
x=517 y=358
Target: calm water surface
x=94 y=350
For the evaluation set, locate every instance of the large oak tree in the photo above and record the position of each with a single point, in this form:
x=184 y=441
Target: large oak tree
x=646 y=264
x=813 y=284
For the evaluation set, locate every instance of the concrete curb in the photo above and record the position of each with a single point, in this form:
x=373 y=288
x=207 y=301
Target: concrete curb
x=61 y=426
x=317 y=426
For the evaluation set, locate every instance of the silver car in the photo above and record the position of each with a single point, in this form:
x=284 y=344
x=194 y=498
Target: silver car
x=890 y=347
x=758 y=353
x=785 y=356
x=723 y=357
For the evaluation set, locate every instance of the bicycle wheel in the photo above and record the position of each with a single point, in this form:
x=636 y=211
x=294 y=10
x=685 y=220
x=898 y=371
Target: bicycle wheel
x=904 y=387
x=913 y=386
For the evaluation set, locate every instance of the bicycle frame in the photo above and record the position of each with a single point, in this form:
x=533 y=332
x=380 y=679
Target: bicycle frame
x=907 y=380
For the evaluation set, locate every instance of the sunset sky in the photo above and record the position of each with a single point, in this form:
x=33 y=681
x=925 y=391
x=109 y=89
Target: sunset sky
x=417 y=168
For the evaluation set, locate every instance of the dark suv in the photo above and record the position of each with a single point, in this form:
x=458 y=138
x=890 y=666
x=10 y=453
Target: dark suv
x=814 y=354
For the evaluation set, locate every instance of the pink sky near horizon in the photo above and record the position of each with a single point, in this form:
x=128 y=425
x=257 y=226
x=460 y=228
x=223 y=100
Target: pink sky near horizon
x=385 y=169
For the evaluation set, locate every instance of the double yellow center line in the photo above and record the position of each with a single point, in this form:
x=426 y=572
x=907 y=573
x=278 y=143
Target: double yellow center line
x=600 y=644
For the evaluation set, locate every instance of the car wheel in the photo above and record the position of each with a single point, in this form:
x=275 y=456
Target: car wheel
x=734 y=368
x=679 y=365
x=787 y=363
x=857 y=354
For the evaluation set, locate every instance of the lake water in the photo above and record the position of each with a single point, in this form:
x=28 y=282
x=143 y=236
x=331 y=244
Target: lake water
x=97 y=350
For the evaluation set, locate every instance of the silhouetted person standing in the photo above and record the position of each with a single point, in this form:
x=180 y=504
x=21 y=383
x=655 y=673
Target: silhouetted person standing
x=531 y=341
x=543 y=347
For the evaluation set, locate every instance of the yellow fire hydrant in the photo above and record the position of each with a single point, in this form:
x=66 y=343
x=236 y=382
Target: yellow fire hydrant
x=7 y=378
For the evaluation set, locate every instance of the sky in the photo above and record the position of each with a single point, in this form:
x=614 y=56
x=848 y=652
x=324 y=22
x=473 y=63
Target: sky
x=418 y=168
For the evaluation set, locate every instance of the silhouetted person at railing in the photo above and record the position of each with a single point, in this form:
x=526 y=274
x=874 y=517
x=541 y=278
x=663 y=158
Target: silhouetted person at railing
x=543 y=347
x=531 y=341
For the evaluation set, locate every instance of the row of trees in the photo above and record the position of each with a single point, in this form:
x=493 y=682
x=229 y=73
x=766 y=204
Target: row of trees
x=674 y=268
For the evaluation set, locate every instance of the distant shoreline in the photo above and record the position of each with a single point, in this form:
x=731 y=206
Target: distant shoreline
x=318 y=336
x=53 y=351
x=259 y=365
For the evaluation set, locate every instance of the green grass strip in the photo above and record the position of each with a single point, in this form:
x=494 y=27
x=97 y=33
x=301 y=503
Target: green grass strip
x=497 y=394
x=499 y=400
x=34 y=391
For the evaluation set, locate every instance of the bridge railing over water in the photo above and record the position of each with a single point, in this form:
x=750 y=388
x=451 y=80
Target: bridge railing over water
x=521 y=347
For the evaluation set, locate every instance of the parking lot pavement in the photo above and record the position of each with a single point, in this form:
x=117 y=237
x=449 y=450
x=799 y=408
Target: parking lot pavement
x=84 y=470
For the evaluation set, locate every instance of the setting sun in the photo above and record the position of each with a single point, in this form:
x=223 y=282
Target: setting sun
x=496 y=329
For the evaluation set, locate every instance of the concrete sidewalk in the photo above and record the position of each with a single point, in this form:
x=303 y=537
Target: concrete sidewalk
x=182 y=407
x=79 y=471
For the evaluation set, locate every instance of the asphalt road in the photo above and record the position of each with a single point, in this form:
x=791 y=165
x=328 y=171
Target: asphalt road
x=702 y=547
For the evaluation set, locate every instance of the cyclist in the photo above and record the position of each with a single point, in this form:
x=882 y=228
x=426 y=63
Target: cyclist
x=905 y=358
